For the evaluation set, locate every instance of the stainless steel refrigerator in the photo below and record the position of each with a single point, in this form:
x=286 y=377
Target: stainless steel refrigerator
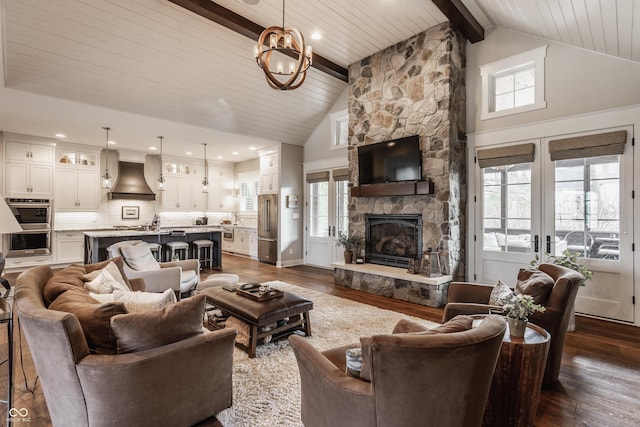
x=268 y=228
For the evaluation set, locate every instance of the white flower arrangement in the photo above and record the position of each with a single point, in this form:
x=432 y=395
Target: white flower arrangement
x=521 y=306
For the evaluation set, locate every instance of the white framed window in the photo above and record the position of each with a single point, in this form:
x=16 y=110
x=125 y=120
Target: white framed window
x=248 y=186
x=513 y=85
x=339 y=129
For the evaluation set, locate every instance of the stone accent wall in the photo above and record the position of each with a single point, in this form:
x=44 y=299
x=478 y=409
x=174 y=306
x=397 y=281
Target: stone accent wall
x=416 y=87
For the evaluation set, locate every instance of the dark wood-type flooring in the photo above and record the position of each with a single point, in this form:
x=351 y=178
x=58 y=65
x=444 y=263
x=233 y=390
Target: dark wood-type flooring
x=599 y=380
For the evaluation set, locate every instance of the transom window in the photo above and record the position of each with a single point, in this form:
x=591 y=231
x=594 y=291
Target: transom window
x=513 y=85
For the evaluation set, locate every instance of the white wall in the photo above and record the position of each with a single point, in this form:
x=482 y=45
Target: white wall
x=577 y=80
x=318 y=146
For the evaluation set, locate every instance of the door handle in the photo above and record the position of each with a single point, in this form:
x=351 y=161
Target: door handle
x=536 y=243
x=548 y=244
x=333 y=228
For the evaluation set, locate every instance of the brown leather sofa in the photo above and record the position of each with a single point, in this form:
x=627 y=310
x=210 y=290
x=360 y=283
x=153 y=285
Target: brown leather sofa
x=473 y=298
x=416 y=380
x=177 y=384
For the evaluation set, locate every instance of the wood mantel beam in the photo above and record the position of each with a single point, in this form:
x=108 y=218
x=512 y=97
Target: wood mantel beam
x=461 y=18
x=241 y=25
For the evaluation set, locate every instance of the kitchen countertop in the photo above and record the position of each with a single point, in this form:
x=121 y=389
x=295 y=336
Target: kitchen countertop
x=163 y=231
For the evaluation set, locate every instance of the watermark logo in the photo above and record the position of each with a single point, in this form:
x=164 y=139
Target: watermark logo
x=19 y=415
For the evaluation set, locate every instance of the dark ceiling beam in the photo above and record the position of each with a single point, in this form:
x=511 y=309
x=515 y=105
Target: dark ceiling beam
x=461 y=18
x=241 y=25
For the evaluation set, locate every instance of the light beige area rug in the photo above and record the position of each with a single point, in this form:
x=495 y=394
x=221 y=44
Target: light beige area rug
x=266 y=389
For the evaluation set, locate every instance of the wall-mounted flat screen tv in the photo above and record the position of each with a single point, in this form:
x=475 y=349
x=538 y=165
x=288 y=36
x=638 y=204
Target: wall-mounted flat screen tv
x=396 y=160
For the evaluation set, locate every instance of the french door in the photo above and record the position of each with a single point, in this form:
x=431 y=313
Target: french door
x=573 y=194
x=327 y=216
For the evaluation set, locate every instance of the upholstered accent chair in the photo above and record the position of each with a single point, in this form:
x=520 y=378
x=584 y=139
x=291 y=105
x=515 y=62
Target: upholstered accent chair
x=473 y=298
x=175 y=384
x=416 y=379
x=181 y=276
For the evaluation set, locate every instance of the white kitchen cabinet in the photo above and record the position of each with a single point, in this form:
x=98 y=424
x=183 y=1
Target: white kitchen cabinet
x=28 y=180
x=253 y=243
x=77 y=179
x=183 y=193
x=242 y=241
x=183 y=186
x=228 y=245
x=28 y=153
x=269 y=173
x=221 y=184
x=69 y=246
x=77 y=189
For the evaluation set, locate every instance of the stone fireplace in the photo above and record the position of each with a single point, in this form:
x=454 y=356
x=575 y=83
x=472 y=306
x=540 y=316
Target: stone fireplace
x=392 y=239
x=415 y=87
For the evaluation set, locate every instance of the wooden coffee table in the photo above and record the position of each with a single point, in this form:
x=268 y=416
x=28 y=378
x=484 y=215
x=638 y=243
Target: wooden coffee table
x=257 y=314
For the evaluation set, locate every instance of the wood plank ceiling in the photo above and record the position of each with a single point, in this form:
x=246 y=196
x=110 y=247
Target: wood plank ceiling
x=155 y=59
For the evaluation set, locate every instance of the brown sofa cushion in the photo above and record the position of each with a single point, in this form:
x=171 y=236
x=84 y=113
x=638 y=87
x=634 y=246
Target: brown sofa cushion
x=141 y=331
x=94 y=318
x=404 y=326
x=535 y=283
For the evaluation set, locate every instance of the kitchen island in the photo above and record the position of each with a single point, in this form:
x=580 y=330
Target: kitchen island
x=96 y=242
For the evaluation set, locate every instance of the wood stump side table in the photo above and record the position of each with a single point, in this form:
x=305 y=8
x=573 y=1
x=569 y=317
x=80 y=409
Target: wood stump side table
x=517 y=380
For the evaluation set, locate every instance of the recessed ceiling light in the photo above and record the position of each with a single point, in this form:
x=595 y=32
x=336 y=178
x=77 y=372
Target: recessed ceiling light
x=111 y=142
x=60 y=135
x=252 y=148
x=188 y=153
x=316 y=35
x=220 y=157
x=235 y=153
x=153 y=148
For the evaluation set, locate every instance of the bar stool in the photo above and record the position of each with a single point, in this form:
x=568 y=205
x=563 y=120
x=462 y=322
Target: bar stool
x=155 y=250
x=200 y=248
x=175 y=248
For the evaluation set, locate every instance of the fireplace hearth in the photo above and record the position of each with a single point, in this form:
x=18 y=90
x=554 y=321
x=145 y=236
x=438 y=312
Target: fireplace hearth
x=393 y=239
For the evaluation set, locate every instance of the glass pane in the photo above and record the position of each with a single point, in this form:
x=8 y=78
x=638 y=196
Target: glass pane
x=588 y=206
x=342 y=207
x=319 y=209
x=507 y=208
x=504 y=84
x=504 y=102
x=525 y=78
x=525 y=97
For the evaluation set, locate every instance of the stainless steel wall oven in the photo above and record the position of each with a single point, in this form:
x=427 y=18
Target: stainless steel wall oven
x=34 y=215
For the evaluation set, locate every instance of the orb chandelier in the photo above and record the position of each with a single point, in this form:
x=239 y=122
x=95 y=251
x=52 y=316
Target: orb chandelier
x=287 y=41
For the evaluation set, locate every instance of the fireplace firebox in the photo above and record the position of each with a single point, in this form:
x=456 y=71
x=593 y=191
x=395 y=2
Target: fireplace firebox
x=393 y=239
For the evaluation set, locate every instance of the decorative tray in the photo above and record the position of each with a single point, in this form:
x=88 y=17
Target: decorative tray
x=253 y=291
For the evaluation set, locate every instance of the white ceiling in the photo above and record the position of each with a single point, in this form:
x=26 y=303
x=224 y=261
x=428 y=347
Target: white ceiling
x=149 y=67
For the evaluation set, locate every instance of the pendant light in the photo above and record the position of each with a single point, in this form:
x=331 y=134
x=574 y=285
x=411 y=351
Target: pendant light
x=205 y=180
x=106 y=177
x=160 y=182
x=287 y=41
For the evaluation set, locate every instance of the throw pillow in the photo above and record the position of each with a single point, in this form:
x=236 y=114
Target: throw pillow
x=94 y=318
x=141 y=331
x=103 y=283
x=68 y=278
x=102 y=298
x=139 y=302
x=118 y=261
x=115 y=274
x=500 y=294
x=139 y=257
x=536 y=283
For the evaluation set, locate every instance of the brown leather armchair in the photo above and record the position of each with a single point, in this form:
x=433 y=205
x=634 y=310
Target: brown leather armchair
x=440 y=379
x=473 y=298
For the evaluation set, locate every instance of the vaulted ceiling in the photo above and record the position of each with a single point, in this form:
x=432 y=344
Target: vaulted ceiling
x=153 y=67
